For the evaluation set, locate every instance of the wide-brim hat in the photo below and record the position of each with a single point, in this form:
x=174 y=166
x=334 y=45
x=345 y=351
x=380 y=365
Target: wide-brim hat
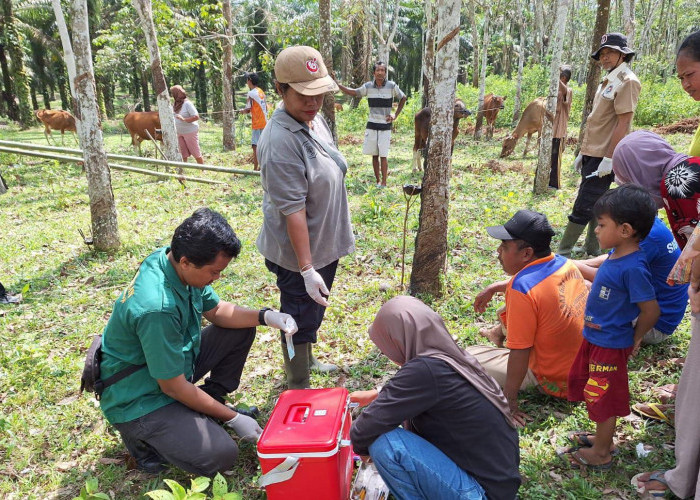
x=615 y=41
x=527 y=225
x=302 y=67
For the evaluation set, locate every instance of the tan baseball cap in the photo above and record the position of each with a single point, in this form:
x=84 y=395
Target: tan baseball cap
x=302 y=67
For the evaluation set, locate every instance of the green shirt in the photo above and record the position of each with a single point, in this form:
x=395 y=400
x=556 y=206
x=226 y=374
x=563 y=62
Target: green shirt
x=156 y=320
x=695 y=145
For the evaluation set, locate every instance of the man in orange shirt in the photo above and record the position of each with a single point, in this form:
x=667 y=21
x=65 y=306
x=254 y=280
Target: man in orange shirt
x=256 y=105
x=544 y=304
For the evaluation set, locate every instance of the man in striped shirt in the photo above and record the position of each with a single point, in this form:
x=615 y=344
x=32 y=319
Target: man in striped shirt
x=380 y=95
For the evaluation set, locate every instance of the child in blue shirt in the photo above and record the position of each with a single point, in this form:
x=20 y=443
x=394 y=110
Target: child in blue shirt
x=622 y=291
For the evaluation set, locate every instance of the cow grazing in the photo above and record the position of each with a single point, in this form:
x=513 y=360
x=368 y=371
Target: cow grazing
x=338 y=106
x=529 y=123
x=56 y=119
x=422 y=128
x=492 y=105
x=138 y=122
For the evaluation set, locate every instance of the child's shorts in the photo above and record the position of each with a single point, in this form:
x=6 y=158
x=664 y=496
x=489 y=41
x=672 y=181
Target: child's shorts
x=598 y=376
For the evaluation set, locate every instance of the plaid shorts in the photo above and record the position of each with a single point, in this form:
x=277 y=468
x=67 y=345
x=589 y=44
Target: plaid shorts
x=598 y=376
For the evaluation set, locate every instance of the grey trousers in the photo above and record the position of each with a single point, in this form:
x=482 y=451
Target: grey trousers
x=684 y=479
x=175 y=434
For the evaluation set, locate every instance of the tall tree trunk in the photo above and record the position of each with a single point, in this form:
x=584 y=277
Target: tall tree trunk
x=201 y=78
x=431 y=240
x=539 y=31
x=428 y=55
x=65 y=101
x=165 y=111
x=628 y=21
x=229 y=141
x=385 y=34
x=103 y=212
x=8 y=92
x=326 y=46
x=475 y=44
x=521 y=62
x=544 y=160
x=593 y=78
x=12 y=40
x=478 y=128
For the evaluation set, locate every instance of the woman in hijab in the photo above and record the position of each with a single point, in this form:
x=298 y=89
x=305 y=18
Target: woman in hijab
x=458 y=439
x=673 y=179
x=186 y=125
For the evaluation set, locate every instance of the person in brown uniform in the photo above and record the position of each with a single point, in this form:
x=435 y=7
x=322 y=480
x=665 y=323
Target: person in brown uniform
x=610 y=120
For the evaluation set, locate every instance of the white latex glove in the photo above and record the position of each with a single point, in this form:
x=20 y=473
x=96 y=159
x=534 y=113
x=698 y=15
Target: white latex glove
x=577 y=163
x=315 y=286
x=686 y=231
x=246 y=427
x=281 y=321
x=605 y=167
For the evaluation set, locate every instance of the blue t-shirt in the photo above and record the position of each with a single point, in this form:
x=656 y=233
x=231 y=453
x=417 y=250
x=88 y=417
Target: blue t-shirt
x=662 y=252
x=618 y=286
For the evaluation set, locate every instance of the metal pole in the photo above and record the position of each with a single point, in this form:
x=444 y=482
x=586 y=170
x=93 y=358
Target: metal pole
x=71 y=159
x=137 y=159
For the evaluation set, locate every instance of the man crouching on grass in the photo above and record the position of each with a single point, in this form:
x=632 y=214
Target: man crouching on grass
x=161 y=415
x=621 y=308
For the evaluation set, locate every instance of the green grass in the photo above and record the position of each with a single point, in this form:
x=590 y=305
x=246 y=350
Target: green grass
x=52 y=440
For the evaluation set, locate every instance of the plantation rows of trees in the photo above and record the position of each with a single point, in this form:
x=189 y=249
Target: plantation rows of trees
x=191 y=37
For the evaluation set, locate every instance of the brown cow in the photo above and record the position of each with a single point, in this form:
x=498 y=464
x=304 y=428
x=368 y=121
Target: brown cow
x=138 y=122
x=422 y=127
x=530 y=122
x=492 y=105
x=56 y=119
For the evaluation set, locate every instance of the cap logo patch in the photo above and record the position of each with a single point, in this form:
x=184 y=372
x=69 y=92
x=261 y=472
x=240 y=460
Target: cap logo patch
x=604 y=39
x=312 y=65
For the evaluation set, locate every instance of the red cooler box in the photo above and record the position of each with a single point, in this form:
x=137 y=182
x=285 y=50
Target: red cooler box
x=305 y=449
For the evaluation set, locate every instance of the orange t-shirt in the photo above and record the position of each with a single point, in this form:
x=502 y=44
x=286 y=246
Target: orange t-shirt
x=258 y=108
x=545 y=304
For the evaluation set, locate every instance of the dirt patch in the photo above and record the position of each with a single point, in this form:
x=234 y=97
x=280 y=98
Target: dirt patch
x=499 y=167
x=571 y=141
x=350 y=140
x=686 y=126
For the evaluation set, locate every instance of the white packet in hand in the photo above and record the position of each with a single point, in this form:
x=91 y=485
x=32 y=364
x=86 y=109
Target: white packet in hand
x=290 y=345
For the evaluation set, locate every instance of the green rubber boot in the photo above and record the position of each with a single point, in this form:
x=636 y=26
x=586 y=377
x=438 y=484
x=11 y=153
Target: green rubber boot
x=591 y=245
x=317 y=366
x=297 y=369
x=569 y=238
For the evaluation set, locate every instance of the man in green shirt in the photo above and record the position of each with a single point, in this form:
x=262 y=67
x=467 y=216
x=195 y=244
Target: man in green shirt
x=161 y=415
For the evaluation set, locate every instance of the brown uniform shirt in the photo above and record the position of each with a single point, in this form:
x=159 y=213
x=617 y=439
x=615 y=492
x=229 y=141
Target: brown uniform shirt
x=561 y=118
x=617 y=94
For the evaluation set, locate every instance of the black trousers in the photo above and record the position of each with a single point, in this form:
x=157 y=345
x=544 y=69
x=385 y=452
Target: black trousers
x=180 y=436
x=296 y=302
x=589 y=191
x=555 y=163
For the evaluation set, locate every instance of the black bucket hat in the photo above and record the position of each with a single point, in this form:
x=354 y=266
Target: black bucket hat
x=615 y=41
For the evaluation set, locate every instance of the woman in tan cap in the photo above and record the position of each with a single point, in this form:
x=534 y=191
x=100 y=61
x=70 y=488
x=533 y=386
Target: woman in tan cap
x=306 y=225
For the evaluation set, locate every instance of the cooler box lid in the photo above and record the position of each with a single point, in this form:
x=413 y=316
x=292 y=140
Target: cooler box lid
x=305 y=422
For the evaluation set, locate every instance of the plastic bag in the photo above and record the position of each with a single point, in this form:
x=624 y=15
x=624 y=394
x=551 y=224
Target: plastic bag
x=368 y=484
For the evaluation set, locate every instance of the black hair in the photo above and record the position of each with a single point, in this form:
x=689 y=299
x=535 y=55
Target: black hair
x=281 y=88
x=565 y=70
x=378 y=63
x=202 y=236
x=254 y=78
x=539 y=253
x=691 y=46
x=629 y=204
x=628 y=58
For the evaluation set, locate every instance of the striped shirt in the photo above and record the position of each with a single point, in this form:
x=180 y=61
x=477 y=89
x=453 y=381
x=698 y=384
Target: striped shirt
x=380 y=100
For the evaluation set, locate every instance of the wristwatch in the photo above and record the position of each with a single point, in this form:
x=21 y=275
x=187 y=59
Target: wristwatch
x=261 y=315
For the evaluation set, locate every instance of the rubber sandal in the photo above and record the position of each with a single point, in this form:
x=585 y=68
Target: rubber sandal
x=654 y=476
x=666 y=393
x=655 y=412
x=575 y=461
x=580 y=439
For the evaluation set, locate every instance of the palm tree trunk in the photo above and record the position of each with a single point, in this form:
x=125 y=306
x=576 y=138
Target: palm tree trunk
x=229 y=140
